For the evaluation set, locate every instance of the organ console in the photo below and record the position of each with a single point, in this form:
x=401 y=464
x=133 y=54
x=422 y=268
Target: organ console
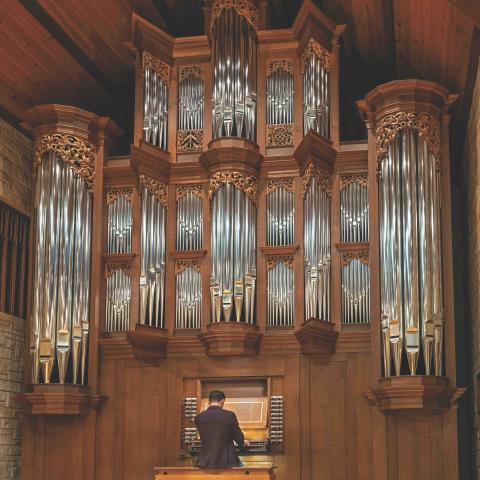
x=240 y=245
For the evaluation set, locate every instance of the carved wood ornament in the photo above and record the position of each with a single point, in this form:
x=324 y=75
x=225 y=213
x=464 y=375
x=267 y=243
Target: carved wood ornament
x=274 y=260
x=183 y=264
x=78 y=154
x=280 y=64
x=157 y=66
x=156 y=188
x=190 y=140
x=245 y=183
x=111 y=268
x=244 y=8
x=114 y=195
x=347 y=180
x=279 y=135
x=322 y=177
x=190 y=71
x=276 y=183
x=313 y=48
x=347 y=257
x=183 y=190
x=388 y=128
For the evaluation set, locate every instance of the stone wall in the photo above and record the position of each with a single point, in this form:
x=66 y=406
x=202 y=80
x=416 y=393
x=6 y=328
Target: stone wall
x=16 y=158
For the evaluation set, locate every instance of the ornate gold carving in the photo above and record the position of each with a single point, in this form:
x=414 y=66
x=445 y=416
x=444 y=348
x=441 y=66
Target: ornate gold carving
x=280 y=64
x=322 y=177
x=190 y=71
x=347 y=257
x=182 y=190
x=79 y=155
x=245 y=8
x=347 y=180
x=279 y=135
x=111 y=268
x=159 y=67
x=190 y=140
x=245 y=183
x=114 y=195
x=388 y=127
x=156 y=188
x=274 y=260
x=276 y=183
x=182 y=264
x=314 y=48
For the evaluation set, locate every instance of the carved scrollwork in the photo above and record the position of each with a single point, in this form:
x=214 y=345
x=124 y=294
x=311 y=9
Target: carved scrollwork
x=245 y=8
x=190 y=71
x=276 y=183
x=388 y=127
x=182 y=190
x=156 y=65
x=347 y=180
x=245 y=183
x=274 y=260
x=323 y=178
x=280 y=64
x=156 y=188
x=78 y=154
x=314 y=48
x=114 y=195
x=182 y=264
x=279 y=135
x=347 y=257
x=111 y=268
x=190 y=140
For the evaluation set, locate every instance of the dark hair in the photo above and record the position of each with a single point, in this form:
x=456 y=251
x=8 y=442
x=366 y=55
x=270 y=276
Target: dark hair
x=216 y=396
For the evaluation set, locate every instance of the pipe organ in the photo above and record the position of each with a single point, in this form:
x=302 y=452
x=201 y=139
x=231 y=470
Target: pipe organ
x=244 y=248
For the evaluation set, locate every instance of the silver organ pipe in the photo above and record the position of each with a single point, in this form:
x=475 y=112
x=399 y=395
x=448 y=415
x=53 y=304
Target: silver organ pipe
x=280 y=292
x=410 y=255
x=317 y=249
x=233 y=240
x=119 y=213
x=316 y=89
x=188 y=296
x=354 y=208
x=280 y=93
x=189 y=217
x=234 y=47
x=152 y=265
x=356 y=291
x=280 y=212
x=156 y=79
x=118 y=296
x=60 y=311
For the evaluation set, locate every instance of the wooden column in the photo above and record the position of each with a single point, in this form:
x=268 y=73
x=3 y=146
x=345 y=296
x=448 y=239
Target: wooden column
x=135 y=268
x=170 y=247
x=299 y=277
x=207 y=260
x=335 y=256
x=261 y=288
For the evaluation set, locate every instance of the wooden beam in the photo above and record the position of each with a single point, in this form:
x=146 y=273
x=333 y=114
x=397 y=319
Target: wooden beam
x=64 y=39
x=471 y=8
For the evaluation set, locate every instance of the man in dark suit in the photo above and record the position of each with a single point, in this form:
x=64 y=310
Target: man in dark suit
x=218 y=430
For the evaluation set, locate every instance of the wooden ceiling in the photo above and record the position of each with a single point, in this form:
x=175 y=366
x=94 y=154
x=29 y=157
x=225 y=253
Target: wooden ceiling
x=73 y=51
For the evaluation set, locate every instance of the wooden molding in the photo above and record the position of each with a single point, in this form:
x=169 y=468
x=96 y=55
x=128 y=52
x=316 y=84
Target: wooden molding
x=231 y=338
x=317 y=336
x=148 y=343
x=151 y=161
x=317 y=150
x=188 y=254
x=352 y=246
x=414 y=393
x=233 y=154
x=279 y=249
x=54 y=399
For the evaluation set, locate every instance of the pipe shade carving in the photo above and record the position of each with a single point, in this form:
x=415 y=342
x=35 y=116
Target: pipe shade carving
x=410 y=248
x=234 y=54
x=61 y=278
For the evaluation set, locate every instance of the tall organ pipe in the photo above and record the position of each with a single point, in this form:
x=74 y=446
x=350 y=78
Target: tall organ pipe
x=280 y=97
x=61 y=272
x=280 y=210
x=356 y=292
x=190 y=103
x=317 y=252
x=188 y=299
x=234 y=43
x=152 y=266
x=280 y=299
x=354 y=213
x=189 y=222
x=411 y=283
x=232 y=285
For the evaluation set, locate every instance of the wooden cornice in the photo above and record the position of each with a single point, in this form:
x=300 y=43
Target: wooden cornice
x=148 y=343
x=191 y=50
x=279 y=167
x=317 y=336
x=119 y=172
x=279 y=41
x=317 y=150
x=151 y=161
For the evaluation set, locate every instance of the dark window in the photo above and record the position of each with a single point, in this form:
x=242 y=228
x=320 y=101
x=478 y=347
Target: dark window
x=13 y=261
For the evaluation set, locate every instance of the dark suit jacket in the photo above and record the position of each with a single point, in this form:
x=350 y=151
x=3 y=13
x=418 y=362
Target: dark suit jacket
x=218 y=429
